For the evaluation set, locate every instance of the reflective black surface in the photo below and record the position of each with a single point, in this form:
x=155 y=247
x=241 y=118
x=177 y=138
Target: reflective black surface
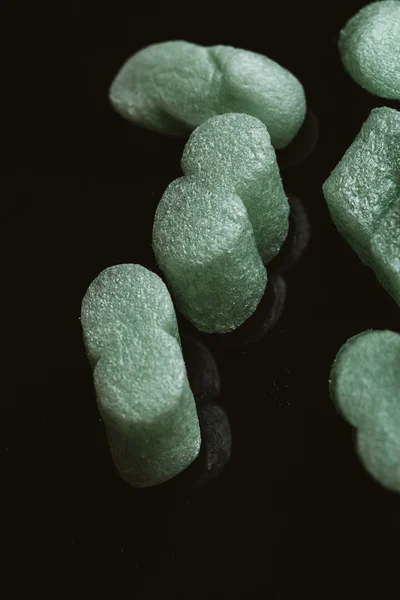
x=292 y=514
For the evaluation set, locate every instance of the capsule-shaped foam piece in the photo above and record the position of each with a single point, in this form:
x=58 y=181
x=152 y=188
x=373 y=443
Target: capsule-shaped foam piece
x=172 y=87
x=216 y=226
x=132 y=340
x=369 y=46
x=363 y=196
x=365 y=387
x=124 y=298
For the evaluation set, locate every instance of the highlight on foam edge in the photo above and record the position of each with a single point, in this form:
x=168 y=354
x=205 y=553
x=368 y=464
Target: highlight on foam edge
x=365 y=386
x=172 y=87
x=143 y=394
x=363 y=196
x=217 y=226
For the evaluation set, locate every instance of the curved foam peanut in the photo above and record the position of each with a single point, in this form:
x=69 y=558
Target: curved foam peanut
x=365 y=385
x=363 y=196
x=370 y=48
x=216 y=226
x=143 y=395
x=172 y=87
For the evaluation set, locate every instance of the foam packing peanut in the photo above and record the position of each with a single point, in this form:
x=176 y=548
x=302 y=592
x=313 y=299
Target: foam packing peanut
x=363 y=196
x=172 y=87
x=369 y=46
x=216 y=226
x=365 y=386
x=132 y=340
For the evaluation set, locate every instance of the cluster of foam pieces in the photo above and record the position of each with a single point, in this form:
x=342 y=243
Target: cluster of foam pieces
x=363 y=196
x=370 y=48
x=215 y=227
x=132 y=340
x=365 y=385
x=172 y=87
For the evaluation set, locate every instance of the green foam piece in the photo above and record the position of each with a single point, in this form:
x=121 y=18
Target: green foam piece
x=363 y=196
x=370 y=49
x=365 y=386
x=385 y=249
x=172 y=87
x=235 y=152
x=215 y=226
x=119 y=300
x=132 y=340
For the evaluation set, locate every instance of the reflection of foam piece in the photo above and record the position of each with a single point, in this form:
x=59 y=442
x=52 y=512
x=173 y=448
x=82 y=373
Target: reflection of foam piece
x=363 y=196
x=201 y=369
x=262 y=321
x=370 y=48
x=216 y=226
x=143 y=394
x=172 y=87
x=365 y=385
x=297 y=239
x=301 y=146
x=217 y=441
x=216 y=445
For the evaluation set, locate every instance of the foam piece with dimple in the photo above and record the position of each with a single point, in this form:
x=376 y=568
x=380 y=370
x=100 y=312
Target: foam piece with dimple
x=143 y=394
x=370 y=49
x=172 y=87
x=121 y=298
x=363 y=196
x=216 y=226
x=234 y=151
x=365 y=386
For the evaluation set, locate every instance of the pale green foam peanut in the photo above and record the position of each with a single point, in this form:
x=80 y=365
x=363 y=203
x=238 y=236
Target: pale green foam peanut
x=205 y=246
x=370 y=48
x=235 y=150
x=363 y=196
x=172 y=87
x=143 y=394
x=214 y=227
x=124 y=297
x=365 y=386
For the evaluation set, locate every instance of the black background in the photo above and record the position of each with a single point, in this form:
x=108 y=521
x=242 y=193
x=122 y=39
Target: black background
x=294 y=514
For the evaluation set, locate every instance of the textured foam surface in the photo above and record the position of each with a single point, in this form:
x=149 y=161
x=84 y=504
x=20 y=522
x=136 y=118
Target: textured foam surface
x=365 y=385
x=132 y=341
x=172 y=87
x=385 y=250
x=234 y=151
x=363 y=196
x=216 y=226
x=123 y=298
x=370 y=48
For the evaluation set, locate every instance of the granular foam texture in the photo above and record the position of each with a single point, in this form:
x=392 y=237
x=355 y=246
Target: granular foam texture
x=235 y=151
x=216 y=226
x=124 y=297
x=369 y=45
x=172 y=87
x=363 y=196
x=143 y=395
x=365 y=386
x=385 y=250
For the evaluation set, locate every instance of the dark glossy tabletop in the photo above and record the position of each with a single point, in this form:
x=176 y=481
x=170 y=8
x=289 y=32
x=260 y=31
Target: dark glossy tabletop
x=292 y=513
